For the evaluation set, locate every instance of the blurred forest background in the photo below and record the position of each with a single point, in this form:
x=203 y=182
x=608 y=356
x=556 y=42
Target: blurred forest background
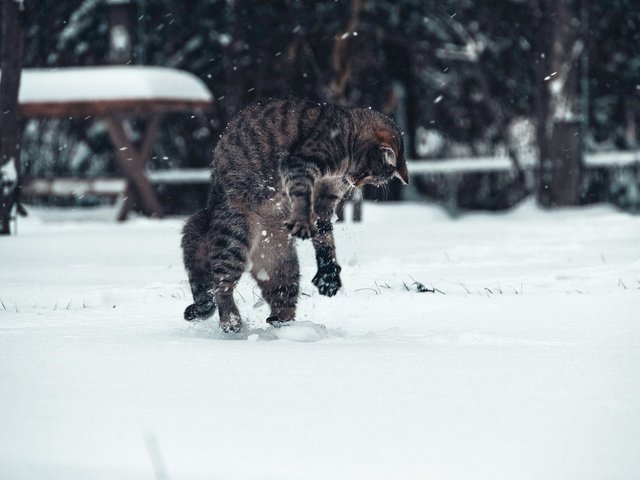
x=463 y=78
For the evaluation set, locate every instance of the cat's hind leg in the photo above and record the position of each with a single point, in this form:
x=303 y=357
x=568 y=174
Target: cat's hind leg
x=230 y=241
x=276 y=269
x=197 y=261
x=215 y=247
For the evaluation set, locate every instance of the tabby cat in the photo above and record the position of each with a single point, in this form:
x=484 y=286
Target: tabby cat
x=279 y=170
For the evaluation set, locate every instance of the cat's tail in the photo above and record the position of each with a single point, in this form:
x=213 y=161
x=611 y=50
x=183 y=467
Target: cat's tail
x=217 y=196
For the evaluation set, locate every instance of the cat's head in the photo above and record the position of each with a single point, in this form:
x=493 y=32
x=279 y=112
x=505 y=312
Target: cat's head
x=381 y=158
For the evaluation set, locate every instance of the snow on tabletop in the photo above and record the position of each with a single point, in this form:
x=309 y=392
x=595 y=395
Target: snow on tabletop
x=110 y=83
x=520 y=358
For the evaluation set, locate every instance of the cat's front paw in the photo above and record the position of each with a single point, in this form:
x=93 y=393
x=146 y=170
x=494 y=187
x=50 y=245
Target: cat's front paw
x=327 y=280
x=301 y=228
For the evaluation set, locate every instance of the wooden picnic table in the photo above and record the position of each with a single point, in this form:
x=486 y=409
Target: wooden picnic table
x=116 y=95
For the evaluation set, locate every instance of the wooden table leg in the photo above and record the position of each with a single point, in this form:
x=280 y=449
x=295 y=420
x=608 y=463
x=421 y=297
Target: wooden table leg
x=132 y=162
x=144 y=154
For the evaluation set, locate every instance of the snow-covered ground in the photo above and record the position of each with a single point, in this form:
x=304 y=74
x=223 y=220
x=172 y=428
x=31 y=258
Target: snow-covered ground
x=524 y=363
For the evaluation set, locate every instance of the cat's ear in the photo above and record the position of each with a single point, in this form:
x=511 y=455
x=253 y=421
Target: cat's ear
x=388 y=155
x=393 y=153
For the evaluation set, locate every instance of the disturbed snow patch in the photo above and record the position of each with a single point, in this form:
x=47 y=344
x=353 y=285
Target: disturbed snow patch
x=305 y=331
x=297 y=331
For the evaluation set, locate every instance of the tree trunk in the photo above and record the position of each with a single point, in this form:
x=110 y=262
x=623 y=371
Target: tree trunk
x=567 y=163
x=233 y=65
x=543 y=122
x=122 y=23
x=630 y=122
x=560 y=135
x=340 y=60
x=11 y=65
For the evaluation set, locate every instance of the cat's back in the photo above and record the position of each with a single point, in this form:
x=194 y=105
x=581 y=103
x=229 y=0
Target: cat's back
x=270 y=123
x=257 y=138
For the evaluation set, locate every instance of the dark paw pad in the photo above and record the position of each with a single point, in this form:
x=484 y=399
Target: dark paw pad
x=275 y=321
x=327 y=280
x=301 y=229
x=197 y=312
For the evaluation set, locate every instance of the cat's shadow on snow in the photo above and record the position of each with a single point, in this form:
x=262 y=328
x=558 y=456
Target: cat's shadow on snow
x=297 y=331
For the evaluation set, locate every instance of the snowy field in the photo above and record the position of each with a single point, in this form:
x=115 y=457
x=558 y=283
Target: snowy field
x=523 y=363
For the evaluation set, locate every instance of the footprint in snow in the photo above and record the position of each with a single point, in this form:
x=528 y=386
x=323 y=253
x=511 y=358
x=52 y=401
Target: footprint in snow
x=304 y=331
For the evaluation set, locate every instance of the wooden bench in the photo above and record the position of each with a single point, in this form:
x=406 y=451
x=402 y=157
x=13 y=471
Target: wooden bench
x=115 y=188
x=115 y=95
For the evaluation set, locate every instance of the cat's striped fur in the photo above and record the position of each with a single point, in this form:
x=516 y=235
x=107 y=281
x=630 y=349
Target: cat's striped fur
x=279 y=170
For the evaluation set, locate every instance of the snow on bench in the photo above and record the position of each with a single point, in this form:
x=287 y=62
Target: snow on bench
x=89 y=86
x=181 y=175
x=421 y=167
x=502 y=164
x=612 y=159
x=75 y=187
x=459 y=165
x=115 y=186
